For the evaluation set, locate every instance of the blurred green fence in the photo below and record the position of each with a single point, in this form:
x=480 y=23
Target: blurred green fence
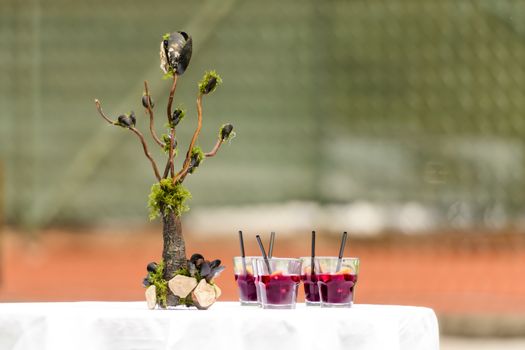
x=393 y=101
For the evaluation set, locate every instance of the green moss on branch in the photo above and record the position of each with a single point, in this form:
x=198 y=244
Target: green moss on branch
x=209 y=82
x=166 y=196
x=197 y=156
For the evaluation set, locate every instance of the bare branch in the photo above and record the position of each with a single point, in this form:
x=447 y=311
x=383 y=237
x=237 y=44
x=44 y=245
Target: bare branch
x=99 y=109
x=183 y=174
x=150 y=112
x=215 y=149
x=172 y=93
x=172 y=153
x=138 y=133
x=146 y=152
x=166 y=170
x=186 y=165
x=170 y=164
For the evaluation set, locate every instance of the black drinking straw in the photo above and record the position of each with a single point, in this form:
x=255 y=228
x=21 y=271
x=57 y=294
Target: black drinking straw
x=341 y=250
x=313 y=253
x=263 y=252
x=243 y=255
x=270 y=248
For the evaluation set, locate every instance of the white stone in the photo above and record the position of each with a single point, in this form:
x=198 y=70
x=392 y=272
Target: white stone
x=218 y=291
x=204 y=295
x=181 y=285
x=151 y=297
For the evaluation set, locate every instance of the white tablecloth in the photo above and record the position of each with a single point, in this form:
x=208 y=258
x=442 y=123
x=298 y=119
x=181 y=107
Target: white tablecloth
x=226 y=325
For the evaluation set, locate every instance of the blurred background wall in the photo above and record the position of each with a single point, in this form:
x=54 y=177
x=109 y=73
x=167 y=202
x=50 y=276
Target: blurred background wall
x=407 y=105
x=380 y=117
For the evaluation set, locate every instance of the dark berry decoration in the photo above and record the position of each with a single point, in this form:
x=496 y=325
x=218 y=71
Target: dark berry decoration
x=226 y=131
x=127 y=121
x=147 y=100
x=209 y=82
x=177 y=116
x=152 y=267
x=212 y=83
x=196 y=257
x=132 y=118
x=145 y=282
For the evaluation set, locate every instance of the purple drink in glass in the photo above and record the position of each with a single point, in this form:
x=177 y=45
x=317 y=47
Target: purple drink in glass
x=336 y=278
x=311 y=289
x=337 y=288
x=279 y=289
x=246 y=280
x=309 y=278
x=277 y=282
x=247 y=289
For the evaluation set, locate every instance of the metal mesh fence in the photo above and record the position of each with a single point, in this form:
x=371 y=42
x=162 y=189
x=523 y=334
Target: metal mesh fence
x=389 y=102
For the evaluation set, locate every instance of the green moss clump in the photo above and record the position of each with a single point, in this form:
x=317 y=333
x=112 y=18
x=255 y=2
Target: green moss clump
x=209 y=82
x=182 y=271
x=166 y=196
x=197 y=153
x=168 y=75
x=161 y=285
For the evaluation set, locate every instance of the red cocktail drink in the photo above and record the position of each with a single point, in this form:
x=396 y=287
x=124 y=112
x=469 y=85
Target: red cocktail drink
x=309 y=278
x=246 y=280
x=278 y=289
x=247 y=289
x=311 y=288
x=337 y=288
x=336 y=278
x=277 y=282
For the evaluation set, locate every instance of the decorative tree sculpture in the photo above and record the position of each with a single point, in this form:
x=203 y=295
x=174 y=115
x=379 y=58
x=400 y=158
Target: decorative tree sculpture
x=168 y=195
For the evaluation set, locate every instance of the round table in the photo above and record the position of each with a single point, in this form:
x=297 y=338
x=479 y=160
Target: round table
x=226 y=325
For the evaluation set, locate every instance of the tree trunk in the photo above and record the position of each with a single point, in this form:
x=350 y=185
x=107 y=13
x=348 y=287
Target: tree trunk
x=174 y=250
